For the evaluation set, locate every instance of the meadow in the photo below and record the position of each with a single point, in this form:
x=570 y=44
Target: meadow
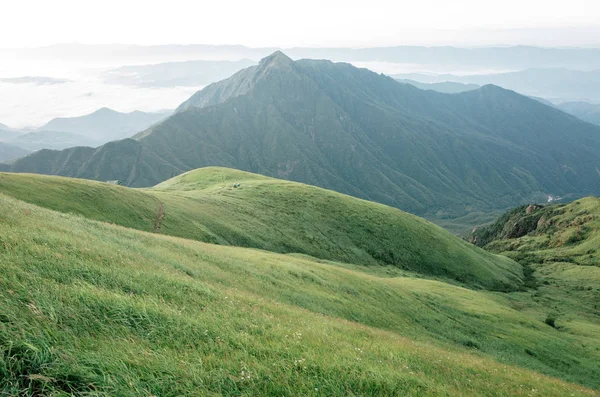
x=90 y=308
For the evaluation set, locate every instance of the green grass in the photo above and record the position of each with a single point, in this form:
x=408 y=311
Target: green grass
x=563 y=232
x=94 y=200
x=89 y=307
x=560 y=247
x=275 y=215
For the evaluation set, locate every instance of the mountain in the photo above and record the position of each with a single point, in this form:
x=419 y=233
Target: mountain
x=552 y=83
x=95 y=129
x=105 y=124
x=447 y=87
x=127 y=312
x=7 y=134
x=126 y=160
x=175 y=74
x=11 y=152
x=359 y=133
x=278 y=216
x=586 y=111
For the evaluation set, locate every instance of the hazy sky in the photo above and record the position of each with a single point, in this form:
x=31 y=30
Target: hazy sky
x=300 y=23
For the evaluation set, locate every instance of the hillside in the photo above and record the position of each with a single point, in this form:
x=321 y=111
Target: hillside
x=126 y=160
x=125 y=312
x=566 y=232
x=364 y=134
x=277 y=216
x=558 y=245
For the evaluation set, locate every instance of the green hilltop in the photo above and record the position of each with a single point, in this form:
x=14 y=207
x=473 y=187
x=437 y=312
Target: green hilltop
x=274 y=215
x=559 y=245
x=91 y=308
x=360 y=133
x=559 y=232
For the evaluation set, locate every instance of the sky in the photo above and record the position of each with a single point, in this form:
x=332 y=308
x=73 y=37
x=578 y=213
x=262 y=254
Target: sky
x=256 y=23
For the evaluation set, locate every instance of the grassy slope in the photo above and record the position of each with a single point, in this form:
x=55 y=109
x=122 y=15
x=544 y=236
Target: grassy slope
x=561 y=232
x=98 y=201
x=129 y=313
x=561 y=246
x=278 y=216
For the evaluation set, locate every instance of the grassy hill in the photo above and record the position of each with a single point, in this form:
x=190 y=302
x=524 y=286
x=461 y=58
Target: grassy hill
x=559 y=246
x=94 y=308
x=274 y=215
x=360 y=133
x=560 y=232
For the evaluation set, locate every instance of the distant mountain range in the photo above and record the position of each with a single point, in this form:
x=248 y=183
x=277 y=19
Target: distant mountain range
x=589 y=112
x=11 y=152
x=447 y=87
x=105 y=124
x=175 y=74
x=452 y=58
x=586 y=111
x=95 y=129
x=361 y=133
x=7 y=133
x=555 y=84
x=44 y=139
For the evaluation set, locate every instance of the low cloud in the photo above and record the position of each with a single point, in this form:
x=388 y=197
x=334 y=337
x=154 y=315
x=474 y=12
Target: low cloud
x=37 y=80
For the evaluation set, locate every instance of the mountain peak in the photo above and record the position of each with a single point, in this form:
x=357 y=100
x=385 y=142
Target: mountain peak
x=277 y=58
x=105 y=110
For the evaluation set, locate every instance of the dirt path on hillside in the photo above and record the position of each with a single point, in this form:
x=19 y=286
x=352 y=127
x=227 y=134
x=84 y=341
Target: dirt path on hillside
x=159 y=217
